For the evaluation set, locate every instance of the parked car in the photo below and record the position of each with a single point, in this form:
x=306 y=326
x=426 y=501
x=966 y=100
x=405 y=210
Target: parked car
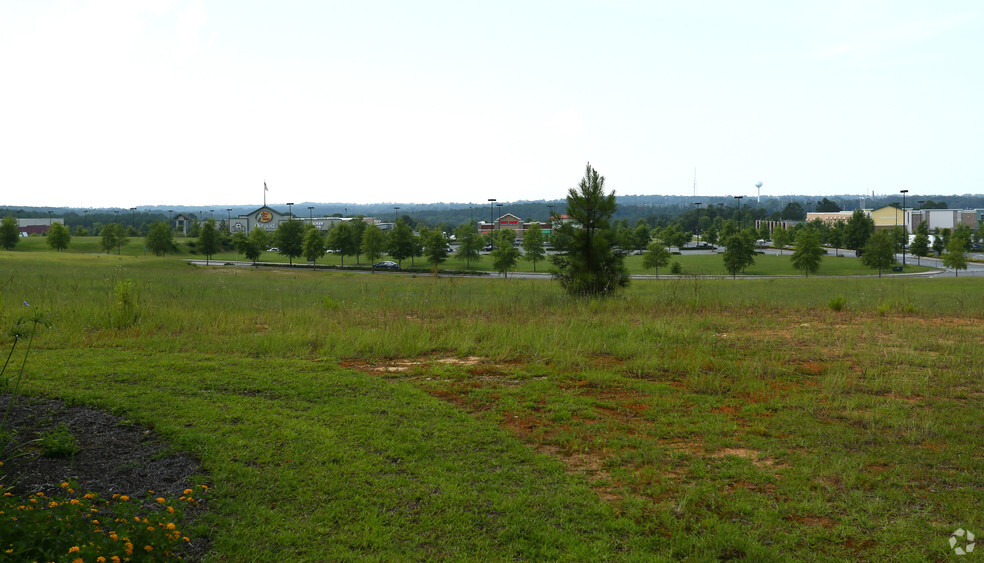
x=386 y=265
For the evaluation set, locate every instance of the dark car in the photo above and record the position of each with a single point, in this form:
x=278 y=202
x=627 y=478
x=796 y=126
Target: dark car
x=386 y=265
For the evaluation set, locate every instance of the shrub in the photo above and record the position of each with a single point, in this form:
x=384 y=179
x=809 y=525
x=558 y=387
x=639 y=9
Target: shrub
x=676 y=268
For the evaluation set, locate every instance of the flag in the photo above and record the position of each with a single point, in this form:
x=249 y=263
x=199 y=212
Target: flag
x=266 y=189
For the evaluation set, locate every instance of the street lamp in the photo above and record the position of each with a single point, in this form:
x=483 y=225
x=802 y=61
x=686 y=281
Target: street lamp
x=169 y=212
x=132 y=210
x=311 y=214
x=290 y=211
x=396 y=214
x=229 y=217
x=49 y=219
x=500 y=215
x=698 y=204
x=905 y=230
x=491 y=221
x=738 y=210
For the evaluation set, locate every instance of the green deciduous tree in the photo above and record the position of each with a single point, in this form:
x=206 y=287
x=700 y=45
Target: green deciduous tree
x=401 y=244
x=314 y=245
x=113 y=236
x=58 y=237
x=879 y=252
x=160 y=239
x=808 y=253
x=505 y=255
x=9 y=233
x=781 y=237
x=435 y=248
x=739 y=253
x=469 y=243
x=920 y=242
x=533 y=244
x=373 y=244
x=208 y=240
x=955 y=256
x=656 y=256
x=858 y=230
x=341 y=239
x=586 y=264
x=289 y=239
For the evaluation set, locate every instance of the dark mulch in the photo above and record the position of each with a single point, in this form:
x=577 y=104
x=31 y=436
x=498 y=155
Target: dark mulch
x=115 y=456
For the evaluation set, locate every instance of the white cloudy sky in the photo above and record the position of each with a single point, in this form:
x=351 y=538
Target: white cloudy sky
x=138 y=102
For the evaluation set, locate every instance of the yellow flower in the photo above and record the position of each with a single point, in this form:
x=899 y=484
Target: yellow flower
x=52 y=504
x=170 y=509
x=124 y=498
x=100 y=559
x=188 y=491
x=78 y=560
x=72 y=491
x=75 y=501
x=73 y=549
x=64 y=485
x=170 y=526
x=148 y=549
x=89 y=495
x=115 y=559
x=129 y=548
x=113 y=536
x=161 y=500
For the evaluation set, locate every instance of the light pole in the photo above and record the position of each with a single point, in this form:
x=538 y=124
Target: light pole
x=132 y=211
x=396 y=214
x=550 y=207
x=500 y=215
x=229 y=218
x=311 y=214
x=698 y=223
x=905 y=230
x=738 y=210
x=169 y=212
x=290 y=211
x=491 y=222
x=49 y=219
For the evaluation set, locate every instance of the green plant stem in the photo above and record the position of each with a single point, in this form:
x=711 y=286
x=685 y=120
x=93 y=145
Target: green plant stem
x=13 y=394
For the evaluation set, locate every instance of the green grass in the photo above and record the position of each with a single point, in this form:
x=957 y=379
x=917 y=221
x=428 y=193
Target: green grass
x=349 y=417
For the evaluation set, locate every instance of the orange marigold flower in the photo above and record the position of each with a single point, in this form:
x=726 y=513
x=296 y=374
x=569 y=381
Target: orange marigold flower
x=124 y=498
x=73 y=549
x=115 y=559
x=64 y=485
x=170 y=509
x=161 y=500
x=129 y=548
x=148 y=548
x=75 y=501
x=113 y=536
x=188 y=491
x=78 y=560
x=100 y=559
x=170 y=526
x=52 y=504
x=89 y=495
x=72 y=491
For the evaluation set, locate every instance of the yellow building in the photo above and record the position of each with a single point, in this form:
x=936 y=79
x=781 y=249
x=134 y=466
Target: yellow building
x=888 y=217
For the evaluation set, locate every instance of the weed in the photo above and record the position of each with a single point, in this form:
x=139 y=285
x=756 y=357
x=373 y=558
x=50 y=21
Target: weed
x=676 y=268
x=125 y=310
x=58 y=442
x=837 y=303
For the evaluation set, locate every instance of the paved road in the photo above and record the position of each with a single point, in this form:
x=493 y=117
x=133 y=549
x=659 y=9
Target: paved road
x=974 y=269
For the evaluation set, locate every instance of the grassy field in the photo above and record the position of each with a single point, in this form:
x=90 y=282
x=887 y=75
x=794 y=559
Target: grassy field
x=691 y=264
x=343 y=416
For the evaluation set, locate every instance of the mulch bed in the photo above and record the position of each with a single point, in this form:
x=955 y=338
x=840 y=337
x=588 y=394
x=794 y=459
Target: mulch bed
x=114 y=456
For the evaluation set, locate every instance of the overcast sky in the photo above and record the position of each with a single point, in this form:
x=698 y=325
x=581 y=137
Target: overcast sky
x=139 y=102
